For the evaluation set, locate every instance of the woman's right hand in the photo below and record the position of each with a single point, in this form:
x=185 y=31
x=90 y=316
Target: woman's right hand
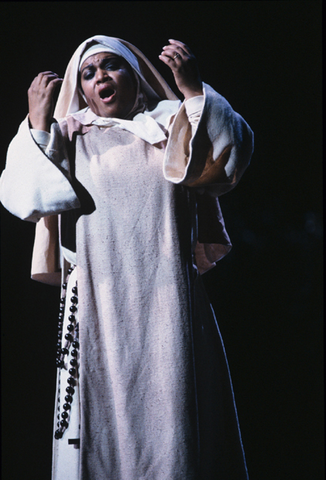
x=41 y=100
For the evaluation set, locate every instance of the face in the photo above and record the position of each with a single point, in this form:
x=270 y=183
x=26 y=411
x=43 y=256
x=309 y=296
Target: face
x=108 y=85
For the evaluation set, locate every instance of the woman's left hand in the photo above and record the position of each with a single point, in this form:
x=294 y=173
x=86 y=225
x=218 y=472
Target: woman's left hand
x=184 y=68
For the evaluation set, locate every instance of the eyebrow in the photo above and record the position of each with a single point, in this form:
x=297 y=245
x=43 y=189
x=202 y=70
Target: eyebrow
x=87 y=66
x=90 y=65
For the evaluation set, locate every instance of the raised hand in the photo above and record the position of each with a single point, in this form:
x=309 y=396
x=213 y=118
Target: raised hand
x=184 y=68
x=41 y=99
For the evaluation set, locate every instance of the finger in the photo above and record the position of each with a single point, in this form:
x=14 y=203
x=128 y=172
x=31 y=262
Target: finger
x=168 y=55
x=174 y=48
x=51 y=83
x=174 y=53
x=165 y=58
x=44 y=84
x=54 y=83
x=182 y=45
x=47 y=72
x=45 y=77
x=168 y=61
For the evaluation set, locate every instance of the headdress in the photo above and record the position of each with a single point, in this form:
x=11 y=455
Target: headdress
x=152 y=84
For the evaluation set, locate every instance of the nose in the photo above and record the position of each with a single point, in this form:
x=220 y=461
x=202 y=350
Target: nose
x=101 y=75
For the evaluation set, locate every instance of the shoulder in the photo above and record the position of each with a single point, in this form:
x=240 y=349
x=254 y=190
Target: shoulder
x=75 y=123
x=164 y=111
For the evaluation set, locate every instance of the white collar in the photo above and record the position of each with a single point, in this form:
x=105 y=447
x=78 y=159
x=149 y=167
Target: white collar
x=150 y=126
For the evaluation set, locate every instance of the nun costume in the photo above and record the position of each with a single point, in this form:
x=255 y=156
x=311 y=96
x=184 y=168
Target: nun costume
x=128 y=219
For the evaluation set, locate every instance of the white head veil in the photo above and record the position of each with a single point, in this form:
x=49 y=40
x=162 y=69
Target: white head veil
x=153 y=85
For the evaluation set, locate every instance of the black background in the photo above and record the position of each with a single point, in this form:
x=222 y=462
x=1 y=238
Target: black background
x=265 y=58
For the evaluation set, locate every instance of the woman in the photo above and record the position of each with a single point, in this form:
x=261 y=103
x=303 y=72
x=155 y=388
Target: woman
x=143 y=384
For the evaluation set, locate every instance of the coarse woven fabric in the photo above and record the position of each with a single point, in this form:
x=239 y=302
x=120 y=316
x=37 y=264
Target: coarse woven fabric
x=139 y=413
x=156 y=397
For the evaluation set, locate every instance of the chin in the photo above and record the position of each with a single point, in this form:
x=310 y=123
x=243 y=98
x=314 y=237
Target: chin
x=109 y=112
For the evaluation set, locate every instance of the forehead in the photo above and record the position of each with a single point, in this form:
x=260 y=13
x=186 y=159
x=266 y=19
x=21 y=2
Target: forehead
x=97 y=58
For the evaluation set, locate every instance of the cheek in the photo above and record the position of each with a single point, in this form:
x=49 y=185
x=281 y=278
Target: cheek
x=126 y=81
x=84 y=89
x=129 y=89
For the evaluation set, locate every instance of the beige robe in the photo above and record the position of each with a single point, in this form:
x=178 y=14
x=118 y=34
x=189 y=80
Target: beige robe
x=156 y=399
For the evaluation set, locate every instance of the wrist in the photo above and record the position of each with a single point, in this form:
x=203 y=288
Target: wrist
x=193 y=94
x=190 y=93
x=193 y=89
x=39 y=123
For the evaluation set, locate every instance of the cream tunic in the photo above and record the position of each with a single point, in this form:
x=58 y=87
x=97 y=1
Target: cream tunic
x=156 y=400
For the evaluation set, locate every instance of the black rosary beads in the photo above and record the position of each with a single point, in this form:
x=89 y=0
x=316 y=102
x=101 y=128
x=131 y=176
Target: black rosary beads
x=71 y=340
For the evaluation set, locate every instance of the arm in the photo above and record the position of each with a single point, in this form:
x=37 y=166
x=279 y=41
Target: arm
x=40 y=100
x=179 y=58
x=33 y=184
x=210 y=146
x=213 y=160
x=36 y=181
x=216 y=156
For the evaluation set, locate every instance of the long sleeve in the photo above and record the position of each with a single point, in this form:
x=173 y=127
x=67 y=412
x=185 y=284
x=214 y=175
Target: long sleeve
x=35 y=184
x=216 y=156
x=194 y=107
x=41 y=138
x=209 y=148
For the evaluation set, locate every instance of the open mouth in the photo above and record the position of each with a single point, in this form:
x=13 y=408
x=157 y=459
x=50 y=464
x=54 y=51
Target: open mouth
x=107 y=93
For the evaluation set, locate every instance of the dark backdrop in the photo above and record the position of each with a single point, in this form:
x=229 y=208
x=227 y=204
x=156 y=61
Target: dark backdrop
x=265 y=58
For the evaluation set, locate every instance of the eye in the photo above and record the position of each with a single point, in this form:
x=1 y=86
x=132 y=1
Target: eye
x=88 y=74
x=112 y=64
